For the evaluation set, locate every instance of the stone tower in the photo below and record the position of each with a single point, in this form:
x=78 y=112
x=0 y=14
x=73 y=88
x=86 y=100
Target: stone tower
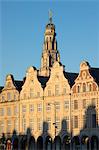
x=50 y=53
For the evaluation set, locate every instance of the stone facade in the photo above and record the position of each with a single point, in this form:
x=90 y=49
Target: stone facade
x=50 y=96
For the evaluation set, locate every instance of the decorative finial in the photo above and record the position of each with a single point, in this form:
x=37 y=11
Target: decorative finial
x=50 y=16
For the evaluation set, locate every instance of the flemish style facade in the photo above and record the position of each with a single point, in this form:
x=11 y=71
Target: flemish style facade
x=52 y=102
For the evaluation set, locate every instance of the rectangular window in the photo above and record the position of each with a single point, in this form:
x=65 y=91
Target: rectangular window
x=48 y=107
x=31 y=107
x=39 y=124
x=3 y=98
x=58 y=123
x=84 y=103
x=75 y=121
x=93 y=101
x=9 y=111
x=1 y=111
x=23 y=108
x=39 y=107
x=31 y=122
x=56 y=90
x=49 y=92
x=66 y=104
x=16 y=124
x=64 y=91
x=15 y=110
x=49 y=123
x=9 y=126
x=31 y=93
x=67 y=122
x=24 y=124
x=1 y=126
x=57 y=106
x=75 y=104
x=38 y=94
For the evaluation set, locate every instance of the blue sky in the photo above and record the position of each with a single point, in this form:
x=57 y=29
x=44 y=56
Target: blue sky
x=22 y=27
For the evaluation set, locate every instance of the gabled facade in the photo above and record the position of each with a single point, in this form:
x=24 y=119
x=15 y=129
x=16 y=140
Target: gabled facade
x=50 y=96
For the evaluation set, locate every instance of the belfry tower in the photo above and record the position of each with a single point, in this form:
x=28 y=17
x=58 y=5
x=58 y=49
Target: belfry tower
x=50 y=53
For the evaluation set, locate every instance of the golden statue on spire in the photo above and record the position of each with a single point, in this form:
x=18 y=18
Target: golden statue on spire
x=50 y=16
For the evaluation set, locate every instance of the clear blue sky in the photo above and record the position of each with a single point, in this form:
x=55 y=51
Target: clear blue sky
x=22 y=26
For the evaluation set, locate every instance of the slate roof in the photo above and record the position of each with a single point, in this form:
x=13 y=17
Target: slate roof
x=18 y=84
x=43 y=80
x=1 y=87
x=95 y=74
x=70 y=77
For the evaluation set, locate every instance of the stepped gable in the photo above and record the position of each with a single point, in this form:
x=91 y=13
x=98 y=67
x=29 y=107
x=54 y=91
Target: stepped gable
x=70 y=77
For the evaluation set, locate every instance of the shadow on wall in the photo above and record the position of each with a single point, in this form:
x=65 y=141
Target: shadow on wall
x=88 y=139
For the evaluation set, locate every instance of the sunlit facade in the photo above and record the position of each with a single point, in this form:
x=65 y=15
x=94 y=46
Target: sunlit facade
x=51 y=101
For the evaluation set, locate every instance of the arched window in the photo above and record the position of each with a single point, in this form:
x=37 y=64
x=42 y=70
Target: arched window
x=84 y=87
x=90 y=87
x=8 y=96
x=78 y=88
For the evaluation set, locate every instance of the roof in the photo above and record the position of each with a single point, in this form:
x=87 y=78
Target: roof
x=70 y=77
x=95 y=74
x=1 y=87
x=43 y=80
x=18 y=84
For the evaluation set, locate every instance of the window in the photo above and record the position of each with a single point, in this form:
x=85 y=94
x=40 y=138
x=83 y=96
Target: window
x=31 y=122
x=56 y=90
x=75 y=121
x=39 y=107
x=84 y=103
x=66 y=104
x=3 y=98
x=15 y=97
x=16 y=124
x=75 y=104
x=58 y=123
x=8 y=96
x=23 y=108
x=90 y=87
x=1 y=111
x=15 y=110
x=31 y=107
x=84 y=87
x=31 y=93
x=93 y=101
x=67 y=122
x=1 y=126
x=38 y=94
x=49 y=123
x=49 y=92
x=64 y=91
x=78 y=89
x=24 y=124
x=39 y=124
x=9 y=126
x=9 y=111
x=57 y=106
x=48 y=107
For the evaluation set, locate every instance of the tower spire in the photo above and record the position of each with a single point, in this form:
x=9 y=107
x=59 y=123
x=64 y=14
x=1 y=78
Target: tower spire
x=50 y=16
